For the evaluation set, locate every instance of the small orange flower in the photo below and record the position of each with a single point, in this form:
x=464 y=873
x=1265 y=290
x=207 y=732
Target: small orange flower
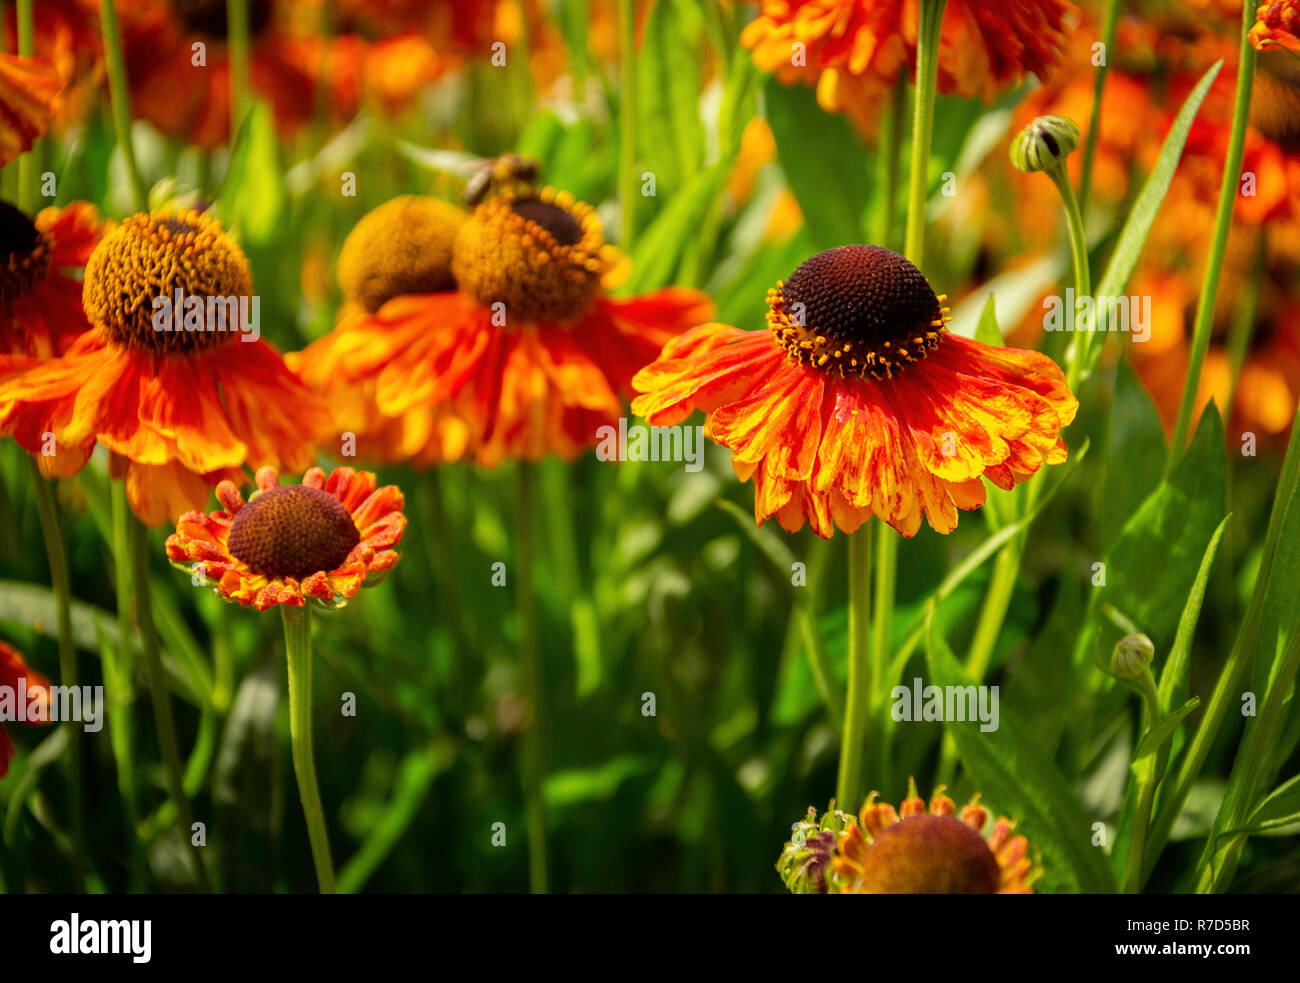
x=40 y=303
x=29 y=98
x=179 y=409
x=859 y=401
x=322 y=539
x=14 y=676
x=526 y=357
x=912 y=851
x=1277 y=23
x=854 y=49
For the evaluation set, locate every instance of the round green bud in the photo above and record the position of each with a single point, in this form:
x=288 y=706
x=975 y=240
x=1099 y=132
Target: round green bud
x=1131 y=656
x=1044 y=144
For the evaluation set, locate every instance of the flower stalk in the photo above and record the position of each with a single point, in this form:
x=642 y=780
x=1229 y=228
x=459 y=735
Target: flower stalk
x=60 y=581
x=173 y=773
x=237 y=41
x=1219 y=243
x=627 y=179
x=120 y=97
x=297 y=644
x=1110 y=23
x=533 y=768
x=857 y=698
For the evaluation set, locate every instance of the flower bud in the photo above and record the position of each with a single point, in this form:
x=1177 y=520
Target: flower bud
x=804 y=864
x=1131 y=656
x=1044 y=144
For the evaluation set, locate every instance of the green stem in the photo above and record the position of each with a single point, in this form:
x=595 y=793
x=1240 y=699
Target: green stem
x=627 y=180
x=1082 y=271
x=238 y=44
x=927 y=74
x=533 y=767
x=138 y=537
x=1227 y=691
x=27 y=163
x=1110 y=22
x=120 y=97
x=1250 y=771
x=1006 y=567
x=887 y=163
x=119 y=678
x=1149 y=772
x=55 y=551
x=886 y=573
x=857 y=699
x=297 y=645
x=1219 y=244
x=562 y=542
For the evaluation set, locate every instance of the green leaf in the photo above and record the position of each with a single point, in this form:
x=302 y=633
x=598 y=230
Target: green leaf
x=987 y=329
x=824 y=164
x=25 y=778
x=410 y=789
x=659 y=248
x=1281 y=807
x=253 y=199
x=1143 y=214
x=976 y=558
x=1155 y=738
x=669 y=125
x=33 y=605
x=1173 y=677
x=579 y=785
x=1016 y=777
x=1135 y=455
x=771 y=545
x=1152 y=566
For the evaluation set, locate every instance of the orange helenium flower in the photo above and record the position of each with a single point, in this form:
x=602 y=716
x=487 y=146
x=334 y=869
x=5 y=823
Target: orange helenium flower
x=14 y=674
x=29 y=98
x=179 y=409
x=528 y=357
x=858 y=401
x=321 y=540
x=40 y=303
x=912 y=851
x=854 y=49
x=1277 y=23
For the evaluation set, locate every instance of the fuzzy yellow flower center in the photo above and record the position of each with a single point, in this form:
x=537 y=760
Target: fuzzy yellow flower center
x=929 y=854
x=539 y=254
x=857 y=311
x=208 y=17
x=141 y=270
x=293 y=531
x=402 y=247
x=24 y=253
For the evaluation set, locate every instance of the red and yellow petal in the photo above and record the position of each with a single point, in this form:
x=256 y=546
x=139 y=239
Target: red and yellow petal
x=29 y=97
x=203 y=540
x=833 y=450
